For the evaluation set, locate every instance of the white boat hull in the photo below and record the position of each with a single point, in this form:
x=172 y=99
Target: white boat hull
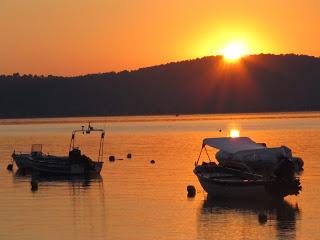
x=55 y=165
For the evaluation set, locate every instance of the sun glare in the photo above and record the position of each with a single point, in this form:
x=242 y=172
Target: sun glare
x=234 y=133
x=233 y=51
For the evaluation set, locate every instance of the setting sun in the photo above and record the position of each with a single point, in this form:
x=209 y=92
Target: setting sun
x=234 y=133
x=233 y=51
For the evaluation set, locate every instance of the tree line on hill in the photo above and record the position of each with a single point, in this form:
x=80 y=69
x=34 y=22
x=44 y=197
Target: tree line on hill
x=256 y=83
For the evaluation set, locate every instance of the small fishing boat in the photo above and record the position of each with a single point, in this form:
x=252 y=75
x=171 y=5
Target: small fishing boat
x=75 y=163
x=258 y=177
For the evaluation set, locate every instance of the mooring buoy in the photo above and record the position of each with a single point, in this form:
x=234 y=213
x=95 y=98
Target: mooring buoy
x=191 y=191
x=152 y=161
x=10 y=167
x=112 y=158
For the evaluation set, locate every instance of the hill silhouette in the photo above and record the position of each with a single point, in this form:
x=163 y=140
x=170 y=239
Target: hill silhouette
x=256 y=83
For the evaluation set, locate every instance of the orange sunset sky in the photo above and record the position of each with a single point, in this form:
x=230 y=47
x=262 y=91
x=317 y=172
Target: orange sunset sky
x=68 y=37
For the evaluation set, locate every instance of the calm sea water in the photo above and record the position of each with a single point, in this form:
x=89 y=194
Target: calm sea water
x=134 y=199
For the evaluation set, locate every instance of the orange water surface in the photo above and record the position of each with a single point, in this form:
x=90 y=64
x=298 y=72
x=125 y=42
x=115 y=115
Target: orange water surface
x=134 y=199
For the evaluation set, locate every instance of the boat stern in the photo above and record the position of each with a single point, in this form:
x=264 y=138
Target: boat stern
x=97 y=167
x=22 y=160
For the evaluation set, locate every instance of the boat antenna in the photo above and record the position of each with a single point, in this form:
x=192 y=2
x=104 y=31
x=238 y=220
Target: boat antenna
x=100 y=156
x=89 y=129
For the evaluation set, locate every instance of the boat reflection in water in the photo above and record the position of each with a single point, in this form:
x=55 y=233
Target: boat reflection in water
x=51 y=179
x=67 y=202
x=248 y=219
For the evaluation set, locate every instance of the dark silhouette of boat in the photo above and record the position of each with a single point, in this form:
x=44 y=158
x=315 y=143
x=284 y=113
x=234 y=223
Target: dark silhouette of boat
x=75 y=163
x=248 y=170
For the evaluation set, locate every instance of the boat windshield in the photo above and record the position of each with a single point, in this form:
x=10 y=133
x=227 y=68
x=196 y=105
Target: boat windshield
x=36 y=148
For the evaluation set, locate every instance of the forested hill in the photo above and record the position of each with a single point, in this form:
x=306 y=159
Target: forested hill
x=256 y=83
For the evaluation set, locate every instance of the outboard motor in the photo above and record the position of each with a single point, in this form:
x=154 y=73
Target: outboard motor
x=286 y=179
x=298 y=164
x=285 y=170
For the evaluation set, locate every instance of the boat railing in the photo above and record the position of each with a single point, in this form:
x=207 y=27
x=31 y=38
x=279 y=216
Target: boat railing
x=88 y=130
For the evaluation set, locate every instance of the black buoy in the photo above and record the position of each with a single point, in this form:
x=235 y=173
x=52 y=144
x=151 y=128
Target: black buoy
x=129 y=155
x=262 y=218
x=112 y=158
x=152 y=161
x=191 y=191
x=220 y=130
x=34 y=185
x=10 y=167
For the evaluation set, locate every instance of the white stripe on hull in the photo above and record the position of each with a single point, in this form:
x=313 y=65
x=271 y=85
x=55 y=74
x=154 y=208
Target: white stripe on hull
x=74 y=169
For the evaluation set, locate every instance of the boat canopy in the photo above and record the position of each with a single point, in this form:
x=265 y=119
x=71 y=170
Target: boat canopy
x=232 y=145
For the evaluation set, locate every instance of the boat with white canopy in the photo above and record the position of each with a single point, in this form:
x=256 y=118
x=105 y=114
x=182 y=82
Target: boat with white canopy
x=246 y=169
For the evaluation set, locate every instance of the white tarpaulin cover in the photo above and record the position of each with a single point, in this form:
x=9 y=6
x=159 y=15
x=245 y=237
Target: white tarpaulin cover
x=232 y=145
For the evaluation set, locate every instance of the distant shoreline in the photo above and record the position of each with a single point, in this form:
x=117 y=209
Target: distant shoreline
x=154 y=118
x=254 y=84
